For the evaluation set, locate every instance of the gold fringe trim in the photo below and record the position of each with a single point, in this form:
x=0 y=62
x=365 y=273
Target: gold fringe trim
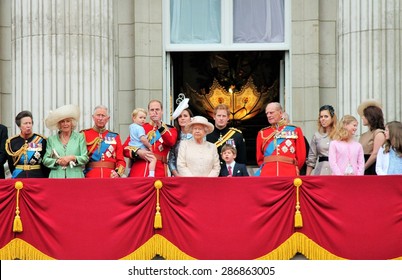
x=19 y=249
x=158 y=245
x=299 y=243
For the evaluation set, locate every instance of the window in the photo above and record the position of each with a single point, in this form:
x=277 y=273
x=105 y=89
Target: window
x=195 y=21
x=227 y=43
x=258 y=21
x=228 y=22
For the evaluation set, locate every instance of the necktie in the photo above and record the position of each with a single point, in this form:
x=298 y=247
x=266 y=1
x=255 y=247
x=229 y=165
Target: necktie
x=230 y=170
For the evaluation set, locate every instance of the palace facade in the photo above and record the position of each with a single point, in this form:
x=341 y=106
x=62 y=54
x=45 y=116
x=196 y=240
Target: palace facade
x=123 y=53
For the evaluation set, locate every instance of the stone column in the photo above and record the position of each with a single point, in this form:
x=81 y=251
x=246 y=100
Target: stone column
x=5 y=63
x=370 y=65
x=62 y=52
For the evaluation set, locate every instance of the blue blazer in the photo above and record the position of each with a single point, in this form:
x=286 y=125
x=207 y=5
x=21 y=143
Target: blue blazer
x=240 y=169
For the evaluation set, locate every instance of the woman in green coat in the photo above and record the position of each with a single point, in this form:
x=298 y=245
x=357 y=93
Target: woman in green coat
x=66 y=152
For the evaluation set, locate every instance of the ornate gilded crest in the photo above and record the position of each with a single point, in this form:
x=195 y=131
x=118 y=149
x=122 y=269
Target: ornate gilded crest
x=243 y=104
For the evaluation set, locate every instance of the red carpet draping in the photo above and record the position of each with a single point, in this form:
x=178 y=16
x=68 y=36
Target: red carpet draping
x=80 y=218
x=354 y=217
x=351 y=217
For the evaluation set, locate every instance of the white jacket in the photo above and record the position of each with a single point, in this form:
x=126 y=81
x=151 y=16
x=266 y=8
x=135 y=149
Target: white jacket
x=381 y=166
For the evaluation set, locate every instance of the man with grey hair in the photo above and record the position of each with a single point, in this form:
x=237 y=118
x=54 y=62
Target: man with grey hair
x=281 y=150
x=105 y=150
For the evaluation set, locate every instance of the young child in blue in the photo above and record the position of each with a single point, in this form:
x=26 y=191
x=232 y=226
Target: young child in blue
x=138 y=138
x=231 y=168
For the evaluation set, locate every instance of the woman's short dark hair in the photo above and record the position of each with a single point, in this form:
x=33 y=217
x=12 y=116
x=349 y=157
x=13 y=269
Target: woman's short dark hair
x=21 y=115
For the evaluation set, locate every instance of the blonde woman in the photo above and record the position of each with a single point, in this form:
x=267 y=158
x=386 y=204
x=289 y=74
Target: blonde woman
x=66 y=152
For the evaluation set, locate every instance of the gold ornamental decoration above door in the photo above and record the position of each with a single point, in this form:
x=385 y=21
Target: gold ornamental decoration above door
x=244 y=103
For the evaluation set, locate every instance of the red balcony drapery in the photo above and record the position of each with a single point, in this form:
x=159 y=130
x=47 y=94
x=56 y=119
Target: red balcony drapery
x=350 y=217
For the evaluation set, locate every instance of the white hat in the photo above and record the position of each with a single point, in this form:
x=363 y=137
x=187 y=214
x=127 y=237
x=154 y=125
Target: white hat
x=200 y=120
x=183 y=105
x=61 y=113
x=366 y=104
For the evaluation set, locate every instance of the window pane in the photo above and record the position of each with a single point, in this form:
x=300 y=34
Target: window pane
x=258 y=21
x=195 y=21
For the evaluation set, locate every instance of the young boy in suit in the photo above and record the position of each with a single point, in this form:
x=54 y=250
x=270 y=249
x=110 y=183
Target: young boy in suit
x=231 y=168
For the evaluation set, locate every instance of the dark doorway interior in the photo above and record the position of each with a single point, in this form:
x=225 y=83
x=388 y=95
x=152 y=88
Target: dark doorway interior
x=198 y=70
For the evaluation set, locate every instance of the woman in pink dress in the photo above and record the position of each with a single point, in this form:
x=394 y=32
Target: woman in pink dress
x=346 y=155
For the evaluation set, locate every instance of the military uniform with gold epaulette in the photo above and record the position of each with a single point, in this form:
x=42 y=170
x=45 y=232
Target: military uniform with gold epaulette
x=105 y=153
x=232 y=136
x=281 y=150
x=25 y=156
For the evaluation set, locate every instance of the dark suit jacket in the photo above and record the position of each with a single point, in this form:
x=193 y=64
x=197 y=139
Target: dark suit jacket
x=3 y=154
x=240 y=169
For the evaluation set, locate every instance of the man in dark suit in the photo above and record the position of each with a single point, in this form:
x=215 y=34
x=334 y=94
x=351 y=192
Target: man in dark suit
x=3 y=154
x=223 y=134
x=230 y=168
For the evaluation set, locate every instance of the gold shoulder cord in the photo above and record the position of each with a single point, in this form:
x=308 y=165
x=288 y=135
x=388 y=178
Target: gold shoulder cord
x=95 y=144
x=225 y=137
x=235 y=129
x=17 y=154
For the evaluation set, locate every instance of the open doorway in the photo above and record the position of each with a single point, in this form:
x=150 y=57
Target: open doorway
x=195 y=73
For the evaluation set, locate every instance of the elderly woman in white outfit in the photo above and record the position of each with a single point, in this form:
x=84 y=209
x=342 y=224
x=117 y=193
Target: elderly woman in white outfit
x=197 y=157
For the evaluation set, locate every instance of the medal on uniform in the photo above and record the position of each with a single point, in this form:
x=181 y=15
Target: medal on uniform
x=231 y=142
x=110 y=140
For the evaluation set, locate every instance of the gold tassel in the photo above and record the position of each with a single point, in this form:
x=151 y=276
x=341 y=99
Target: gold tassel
x=298 y=217
x=17 y=225
x=158 y=220
x=158 y=217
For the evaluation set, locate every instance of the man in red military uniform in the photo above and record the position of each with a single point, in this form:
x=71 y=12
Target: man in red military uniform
x=281 y=150
x=105 y=150
x=161 y=136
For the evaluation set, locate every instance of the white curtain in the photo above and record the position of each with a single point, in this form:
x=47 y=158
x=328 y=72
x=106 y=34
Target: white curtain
x=258 y=21
x=195 y=21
